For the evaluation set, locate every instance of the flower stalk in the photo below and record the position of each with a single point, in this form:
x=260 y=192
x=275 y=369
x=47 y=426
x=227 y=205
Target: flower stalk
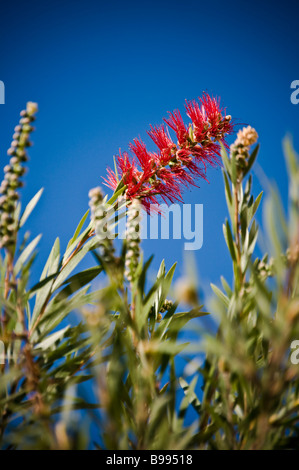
x=133 y=239
x=12 y=181
x=239 y=156
x=12 y=178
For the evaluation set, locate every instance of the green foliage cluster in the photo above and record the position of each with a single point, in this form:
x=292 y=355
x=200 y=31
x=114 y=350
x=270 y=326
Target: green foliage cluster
x=125 y=343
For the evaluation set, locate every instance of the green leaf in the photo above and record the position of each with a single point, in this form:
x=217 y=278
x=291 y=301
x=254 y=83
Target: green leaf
x=233 y=169
x=72 y=246
x=252 y=210
x=142 y=277
x=227 y=189
x=57 y=310
x=50 y=340
x=226 y=286
x=71 y=265
x=115 y=169
x=251 y=159
x=49 y=270
x=171 y=348
x=78 y=229
x=290 y=156
x=225 y=159
x=25 y=254
x=229 y=240
x=79 y=280
x=119 y=190
x=30 y=206
x=190 y=394
x=41 y=284
x=78 y=405
x=228 y=197
x=177 y=322
x=167 y=282
x=220 y=295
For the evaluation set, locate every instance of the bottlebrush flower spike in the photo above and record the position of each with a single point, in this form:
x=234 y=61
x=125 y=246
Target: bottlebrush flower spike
x=219 y=123
x=149 y=175
x=146 y=160
x=13 y=174
x=163 y=141
x=175 y=121
x=197 y=116
x=161 y=137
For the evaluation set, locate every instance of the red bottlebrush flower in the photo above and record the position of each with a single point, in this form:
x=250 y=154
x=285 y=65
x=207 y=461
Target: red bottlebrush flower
x=212 y=108
x=220 y=124
x=176 y=123
x=198 y=117
x=197 y=166
x=173 y=181
x=163 y=141
x=146 y=160
x=111 y=180
x=126 y=168
x=161 y=137
x=164 y=174
x=209 y=154
x=227 y=128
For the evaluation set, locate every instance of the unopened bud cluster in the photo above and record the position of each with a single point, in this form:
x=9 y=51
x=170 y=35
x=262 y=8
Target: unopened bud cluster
x=133 y=239
x=13 y=173
x=240 y=148
x=292 y=254
x=166 y=306
x=99 y=212
x=265 y=269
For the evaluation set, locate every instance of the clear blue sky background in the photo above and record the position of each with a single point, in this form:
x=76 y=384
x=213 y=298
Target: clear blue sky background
x=103 y=71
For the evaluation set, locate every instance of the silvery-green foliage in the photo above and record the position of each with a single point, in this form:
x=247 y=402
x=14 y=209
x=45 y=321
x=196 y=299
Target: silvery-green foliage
x=113 y=363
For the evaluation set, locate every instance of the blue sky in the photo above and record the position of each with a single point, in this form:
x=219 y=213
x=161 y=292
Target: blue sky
x=102 y=72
